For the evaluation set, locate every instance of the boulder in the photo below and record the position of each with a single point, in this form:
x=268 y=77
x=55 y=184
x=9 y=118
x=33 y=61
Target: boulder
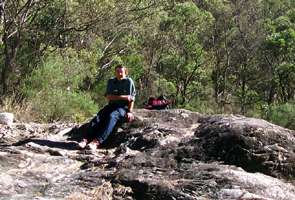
x=6 y=118
x=253 y=144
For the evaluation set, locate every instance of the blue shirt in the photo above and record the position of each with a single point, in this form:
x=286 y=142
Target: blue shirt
x=121 y=87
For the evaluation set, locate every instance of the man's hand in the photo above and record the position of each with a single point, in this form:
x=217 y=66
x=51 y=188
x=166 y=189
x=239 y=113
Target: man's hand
x=129 y=98
x=129 y=116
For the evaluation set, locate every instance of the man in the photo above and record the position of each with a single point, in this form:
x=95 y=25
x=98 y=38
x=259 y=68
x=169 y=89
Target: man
x=120 y=94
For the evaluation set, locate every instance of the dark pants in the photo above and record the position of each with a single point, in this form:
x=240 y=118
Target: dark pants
x=103 y=124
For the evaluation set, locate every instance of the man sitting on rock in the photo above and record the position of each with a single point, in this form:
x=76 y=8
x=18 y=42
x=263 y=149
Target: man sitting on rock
x=120 y=93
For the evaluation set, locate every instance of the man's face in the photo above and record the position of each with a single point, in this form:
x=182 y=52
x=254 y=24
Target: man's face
x=120 y=73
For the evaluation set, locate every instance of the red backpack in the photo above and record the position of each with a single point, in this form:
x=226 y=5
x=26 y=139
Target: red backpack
x=157 y=103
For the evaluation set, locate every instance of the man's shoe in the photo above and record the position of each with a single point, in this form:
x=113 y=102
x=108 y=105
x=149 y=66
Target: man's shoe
x=83 y=143
x=94 y=144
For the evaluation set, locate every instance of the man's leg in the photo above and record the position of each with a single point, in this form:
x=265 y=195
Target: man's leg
x=115 y=116
x=95 y=125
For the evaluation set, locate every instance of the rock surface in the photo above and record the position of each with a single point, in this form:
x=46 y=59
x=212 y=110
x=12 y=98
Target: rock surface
x=171 y=154
x=6 y=118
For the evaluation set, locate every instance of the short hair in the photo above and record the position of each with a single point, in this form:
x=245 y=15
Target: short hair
x=122 y=66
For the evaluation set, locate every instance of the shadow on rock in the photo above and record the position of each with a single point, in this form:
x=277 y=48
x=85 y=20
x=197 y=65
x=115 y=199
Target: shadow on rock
x=49 y=143
x=77 y=133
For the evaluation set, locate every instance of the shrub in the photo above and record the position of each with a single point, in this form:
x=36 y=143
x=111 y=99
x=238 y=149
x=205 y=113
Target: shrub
x=53 y=88
x=283 y=115
x=62 y=105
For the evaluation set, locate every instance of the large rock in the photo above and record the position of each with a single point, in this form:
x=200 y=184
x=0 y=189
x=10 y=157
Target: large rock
x=171 y=154
x=253 y=144
x=6 y=118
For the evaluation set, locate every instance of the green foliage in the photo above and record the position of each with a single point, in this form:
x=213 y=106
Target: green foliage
x=247 y=97
x=164 y=87
x=182 y=60
x=201 y=106
x=54 y=88
x=62 y=105
x=48 y=19
x=283 y=115
x=135 y=64
x=65 y=72
x=282 y=42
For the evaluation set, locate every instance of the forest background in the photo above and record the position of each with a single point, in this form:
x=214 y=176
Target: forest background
x=210 y=56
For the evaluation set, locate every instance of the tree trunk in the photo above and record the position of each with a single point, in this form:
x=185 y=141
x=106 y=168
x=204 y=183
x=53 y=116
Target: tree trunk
x=11 y=46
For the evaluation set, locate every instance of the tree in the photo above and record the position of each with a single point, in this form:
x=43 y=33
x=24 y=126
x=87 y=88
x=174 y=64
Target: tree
x=222 y=47
x=16 y=17
x=279 y=54
x=183 y=57
x=29 y=27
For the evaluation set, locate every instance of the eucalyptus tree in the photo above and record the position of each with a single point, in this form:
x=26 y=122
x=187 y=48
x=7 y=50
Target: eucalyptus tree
x=29 y=27
x=16 y=18
x=234 y=45
x=183 y=59
x=279 y=50
x=221 y=48
x=249 y=37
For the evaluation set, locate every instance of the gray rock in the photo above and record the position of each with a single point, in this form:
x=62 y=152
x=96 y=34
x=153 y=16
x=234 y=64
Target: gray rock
x=6 y=118
x=253 y=144
x=171 y=154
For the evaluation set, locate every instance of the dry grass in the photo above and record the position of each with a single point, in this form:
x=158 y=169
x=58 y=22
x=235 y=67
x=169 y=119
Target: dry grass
x=22 y=111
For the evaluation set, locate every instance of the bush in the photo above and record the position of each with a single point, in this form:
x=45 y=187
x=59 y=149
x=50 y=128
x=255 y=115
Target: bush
x=283 y=115
x=53 y=89
x=204 y=107
x=62 y=105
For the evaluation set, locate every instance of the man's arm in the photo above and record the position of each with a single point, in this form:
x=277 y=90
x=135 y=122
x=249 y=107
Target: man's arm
x=129 y=114
x=111 y=97
x=130 y=106
x=122 y=97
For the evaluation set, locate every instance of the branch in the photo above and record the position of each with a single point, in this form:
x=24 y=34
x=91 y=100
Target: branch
x=267 y=60
x=79 y=29
x=107 y=64
x=11 y=34
x=142 y=8
x=24 y=15
x=109 y=44
x=194 y=70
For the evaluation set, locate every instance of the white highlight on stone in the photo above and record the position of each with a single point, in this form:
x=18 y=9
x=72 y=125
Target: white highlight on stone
x=6 y=118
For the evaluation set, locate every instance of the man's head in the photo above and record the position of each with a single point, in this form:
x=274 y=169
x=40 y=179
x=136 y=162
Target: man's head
x=121 y=72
